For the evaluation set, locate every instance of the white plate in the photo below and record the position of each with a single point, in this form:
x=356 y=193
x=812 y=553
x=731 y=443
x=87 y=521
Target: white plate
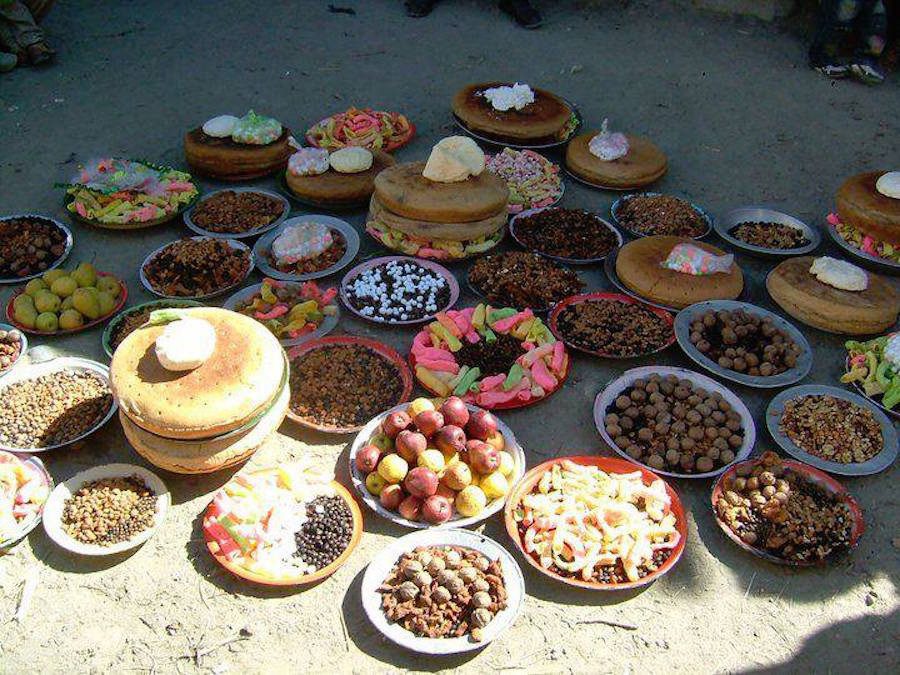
x=359 y=481
x=53 y=509
x=380 y=567
x=188 y=216
x=233 y=243
x=26 y=527
x=606 y=398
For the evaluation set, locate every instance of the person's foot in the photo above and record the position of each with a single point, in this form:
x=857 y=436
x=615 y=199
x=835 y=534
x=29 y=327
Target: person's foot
x=835 y=71
x=522 y=11
x=8 y=62
x=39 y=53
x=419 y=8
x=867 y=71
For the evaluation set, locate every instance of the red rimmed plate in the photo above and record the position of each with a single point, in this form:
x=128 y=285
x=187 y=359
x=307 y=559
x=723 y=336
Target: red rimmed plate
x=120 y=303
x=609 y=465
x=299 y=580
x=388 y=147
x=553 y=321
x=388 y=353
x=815 y=476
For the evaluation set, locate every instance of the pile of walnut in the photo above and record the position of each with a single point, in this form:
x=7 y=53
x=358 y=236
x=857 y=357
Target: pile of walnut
x=771 y=507
x=444 y=592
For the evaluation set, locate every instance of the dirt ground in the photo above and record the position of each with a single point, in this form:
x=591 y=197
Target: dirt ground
x=743 y=121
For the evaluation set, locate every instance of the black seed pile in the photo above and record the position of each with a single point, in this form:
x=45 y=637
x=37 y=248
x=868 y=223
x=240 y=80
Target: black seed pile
x=327 y=533
x=490 y=359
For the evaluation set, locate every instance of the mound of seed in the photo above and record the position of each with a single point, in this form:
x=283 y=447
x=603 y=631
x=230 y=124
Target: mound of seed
x=518 y=279
x=327 y=258
x=612 y=327
x=130 y=322
x=193 y=267
x=109 y=511
x=660 y=214
x=398 y=291
x=343 y=385
x=327 y=532
x=832 y=429
x=52 y=409
x=769 y=235
x=566 y=233
x=491 y=358
x=236 y=212
x=10 y=348
x=774 y=508
x=28 y=246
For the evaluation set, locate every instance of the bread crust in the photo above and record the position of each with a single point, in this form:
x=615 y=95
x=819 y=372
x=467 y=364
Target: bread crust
x=430 y=231
x=224 y=159
x=334 y=188
x=542 y=120
x=644 y=164
x=861 y=205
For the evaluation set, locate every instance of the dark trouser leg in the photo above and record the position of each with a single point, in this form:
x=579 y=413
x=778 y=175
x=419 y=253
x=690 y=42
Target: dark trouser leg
x=871 y=26
x=836 y=19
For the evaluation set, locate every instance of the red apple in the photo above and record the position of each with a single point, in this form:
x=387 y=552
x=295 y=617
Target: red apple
x=447 y=492
x=483 y=458
x=367 y=459
x=421 y=482
x=410 y=508
x=391 y=497
x=450 y=439
x=429 y=421
x=455 y=412
x=395 y=422
x=437 y=510
x=409 y=444
x=481 y=425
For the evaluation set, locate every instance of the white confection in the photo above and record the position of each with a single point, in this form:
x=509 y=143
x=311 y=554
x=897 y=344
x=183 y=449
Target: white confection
x=504 y=98
x=185 y=344
x=300 y=241
x=351 y=160
x=839 y=274
x=608 y=146
x=454 y=159
x=891 y=351
x=220 y=127
x=414 y=288
x=308 y=162
x=888 y=184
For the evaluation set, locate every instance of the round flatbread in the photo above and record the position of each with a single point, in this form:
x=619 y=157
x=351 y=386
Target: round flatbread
x=431 y=231
x=205 y=456
x=639 y=267
x=404 y=190
x=816 y=304
x=224 y=159
x=335 y=188
x=236 y=384
x=644 y=163
x=861 y=205
x=541 y=121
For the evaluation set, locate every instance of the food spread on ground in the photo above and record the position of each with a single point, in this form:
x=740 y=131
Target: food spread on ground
x=362 y=127
x=490 y=357
x=238 y=148
x=832 y=429
x=614 y=328
x=52 y=409
x=868 y=218
x=776 y=236
x=672 y=424
x=196 y=267
x=343 y=385
x=573 y=234
x=23 y=491
x=522 y=279
x=652 y=214
x=615 y=160
x=10 y=348
x=287 y=310
x=444 y=592
x=398 y=290
x=436 y=460
x=236 y=212
x=581 y=522
x=875 y=367
x=797 y=286
x=780 y=510
x=29 y=245
x=122 y=192
x=641 y=266
x=65 y=300
x=533 y=180
x=306 y=247
x=283 y=523
x=337 y=178
x=109 y=511
x=744 y=342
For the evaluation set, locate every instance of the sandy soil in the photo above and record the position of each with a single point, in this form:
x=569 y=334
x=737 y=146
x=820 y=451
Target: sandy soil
x=743 y=121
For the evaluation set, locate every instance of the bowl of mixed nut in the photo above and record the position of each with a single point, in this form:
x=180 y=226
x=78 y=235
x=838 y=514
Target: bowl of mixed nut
x=651 y=213
x=13 y=345
x=196 y=268
x=786 y=512
x=237 y=213
x=766 y=232
x=833 y=430
x=106 y=510
x=30 y=245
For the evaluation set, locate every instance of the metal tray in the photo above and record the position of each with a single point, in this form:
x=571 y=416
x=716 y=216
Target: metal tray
x=614 y=210
x=264 y=245
x=867 y=260
x=238 y=235
x=70 y=242
x=568 y=261
x=749 y=214
x=235 y=244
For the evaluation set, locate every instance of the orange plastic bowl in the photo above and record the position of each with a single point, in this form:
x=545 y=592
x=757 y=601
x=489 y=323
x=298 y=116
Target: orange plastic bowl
x=610 y=465
x=300 y=580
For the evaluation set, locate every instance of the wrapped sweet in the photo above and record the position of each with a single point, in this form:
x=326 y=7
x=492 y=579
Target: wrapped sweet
x=608 y=146
x=301 y=241
x=309 y=162
x=691 y=259
x=254 y=129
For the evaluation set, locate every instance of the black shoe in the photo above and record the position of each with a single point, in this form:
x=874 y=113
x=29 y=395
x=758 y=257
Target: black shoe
x=522 y=11
x=419 y=8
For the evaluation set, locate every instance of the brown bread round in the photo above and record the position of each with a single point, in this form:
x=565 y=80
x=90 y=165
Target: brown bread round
x=644 y=164
x=541 y=121
x=861 y=205
x=431 y=231
x=333 y=188
x=224 y=159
